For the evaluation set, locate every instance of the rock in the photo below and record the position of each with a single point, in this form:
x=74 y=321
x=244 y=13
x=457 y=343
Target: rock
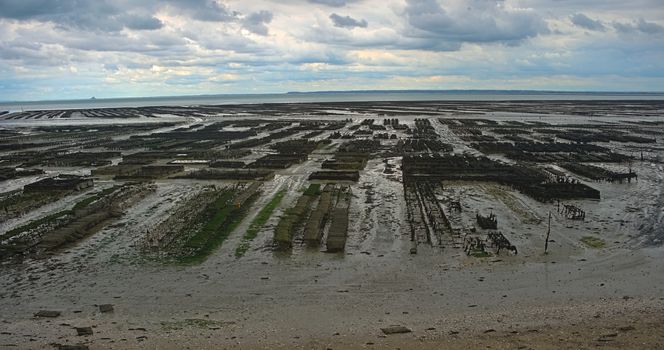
x=395 y=329
x=47 y=313
x=84 y=330
x=490 y=330
x=106 y=308
x=626 y=328
x=70 y=347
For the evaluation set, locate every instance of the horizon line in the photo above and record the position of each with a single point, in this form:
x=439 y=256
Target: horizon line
x=366 y=91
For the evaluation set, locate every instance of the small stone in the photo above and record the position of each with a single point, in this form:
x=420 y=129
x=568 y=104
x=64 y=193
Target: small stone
x=104 y=308
x=84 y=331
x=71 y=347
x=47 y=313
x=396 y=329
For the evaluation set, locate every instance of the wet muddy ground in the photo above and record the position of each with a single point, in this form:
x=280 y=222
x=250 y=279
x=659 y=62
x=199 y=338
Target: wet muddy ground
x=579 y=295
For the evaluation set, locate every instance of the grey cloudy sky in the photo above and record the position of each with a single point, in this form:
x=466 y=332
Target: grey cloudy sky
x=52 y=49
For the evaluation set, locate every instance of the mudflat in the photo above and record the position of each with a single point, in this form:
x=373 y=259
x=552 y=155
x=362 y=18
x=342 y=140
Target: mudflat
x=412 y=225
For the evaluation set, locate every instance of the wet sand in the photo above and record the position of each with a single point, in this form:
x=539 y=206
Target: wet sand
x=339 y=302
x=573 y=297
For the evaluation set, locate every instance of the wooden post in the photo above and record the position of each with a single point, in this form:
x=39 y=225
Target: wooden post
x=548 y=232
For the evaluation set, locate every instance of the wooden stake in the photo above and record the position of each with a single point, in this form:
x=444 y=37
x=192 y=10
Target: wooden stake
x=548 y=232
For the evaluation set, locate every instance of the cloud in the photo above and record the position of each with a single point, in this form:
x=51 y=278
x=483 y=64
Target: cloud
x=586 y=22
x=204 y=10
x=161 y=47
x=332 y=3
x=100 y=15
x=475 y=21
x=109 y=15
x=347 y=21
x=639 y=26
x=256 y=22
x=142 y=23
x=26 y=9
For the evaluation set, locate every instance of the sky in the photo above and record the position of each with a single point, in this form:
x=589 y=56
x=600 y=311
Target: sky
x=67 y=49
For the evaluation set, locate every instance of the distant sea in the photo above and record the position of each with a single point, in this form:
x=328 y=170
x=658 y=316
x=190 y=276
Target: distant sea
x=327 y=96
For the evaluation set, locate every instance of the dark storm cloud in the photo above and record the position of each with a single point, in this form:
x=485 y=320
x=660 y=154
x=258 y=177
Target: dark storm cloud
x=332 y=3
x=476 y=21
x=583 y=21
x=256 y=22
x=347 y=21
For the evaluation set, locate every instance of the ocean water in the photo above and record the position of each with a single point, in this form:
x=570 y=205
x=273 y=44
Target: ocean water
x=324 y=97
